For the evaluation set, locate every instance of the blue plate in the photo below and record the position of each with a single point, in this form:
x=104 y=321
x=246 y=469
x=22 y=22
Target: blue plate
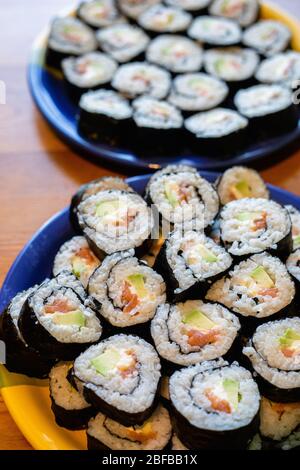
x=35 y=261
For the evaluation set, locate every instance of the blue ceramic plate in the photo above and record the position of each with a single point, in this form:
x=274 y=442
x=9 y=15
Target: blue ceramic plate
x=50 y=96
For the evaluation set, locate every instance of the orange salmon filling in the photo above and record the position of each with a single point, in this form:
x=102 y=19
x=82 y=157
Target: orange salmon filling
x=217 y=403
x=202 y=338
x=61 y=306
x=130 y=300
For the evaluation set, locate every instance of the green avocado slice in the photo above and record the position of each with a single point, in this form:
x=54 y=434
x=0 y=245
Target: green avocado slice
x=290 y=339
x=198 y=320
x=138 y=282
x=241 y=190
x=261 y=277
x=171 y=194
x=207 y=254
x=76 y=318
x=296 y=241
x=106 y=361
x=231 y=388
x=107 y=207
x=78 y=266
x=247 y=216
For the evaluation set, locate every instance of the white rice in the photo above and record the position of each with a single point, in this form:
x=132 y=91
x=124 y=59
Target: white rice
x=62 y=392
x=293 y=264
x=282 y=69
x=15 y=307
x=215 y=31
x=295 y=218
x=234 y=176
x=245 y=15
x=59 y=42
x=261 y=100
x=100 y=69
x=106 y=102
x=237 y=64
x=216 y=123
x=268 y=37
x=99 y=13
x=156 y=114
x=278 y=420
x=189 y=5
x=164 y=19
x=134 y=8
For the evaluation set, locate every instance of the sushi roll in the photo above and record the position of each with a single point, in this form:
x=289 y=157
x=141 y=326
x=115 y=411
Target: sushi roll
x=269 y=108
x=240 y=182
x=106 y=116
x=274 y=355
x=194 y=7
x=157 y=123
x=116 y=220
x=20 y=357
x=56 y=321
x=154 y=434
x=293 y=266
x=295 y=217
x=281 y=69
x=68 y=37
x=99 y=13
x=254 y=225
x=216 y=406
x=176 y=53
x=213 y=31
x=88 y=72
x=181 y=195
x=141 y=78
x=160 y=19
x=193 y=92
x=70 y=409
x=123 y=42
x=258 y=289
x=76 y=256
x=268 y=37
x=134 y=8
x=192 y=332
x=120 y=378
x=190 y=262
x=278 y=420
x=245 y=12
x=127 y=292
x=219 y=132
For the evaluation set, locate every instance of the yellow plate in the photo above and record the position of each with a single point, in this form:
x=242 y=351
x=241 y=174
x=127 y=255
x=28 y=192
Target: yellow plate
x=28 y=400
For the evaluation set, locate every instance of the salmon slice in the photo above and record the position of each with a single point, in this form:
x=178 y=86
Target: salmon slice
x=127 y=370
x=288 y=352
x=130 y=299
x=260 y=223
x=87 y=255
x=272 y=292
x=61 y=306
x=141 y=435
x=218 y=404
x=201 y=338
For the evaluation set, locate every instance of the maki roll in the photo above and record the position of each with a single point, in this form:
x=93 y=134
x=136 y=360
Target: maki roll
x=190 y=262
x=216 y=406
x=88 y=72
x=159 y=124
x=120 y=378
x=278 y=420
x=195 y=7
x=254 y=225
x=269 y=108
x=127 y=292
x=188 y=333
x=240 y=182
x=295 y=217
x=197 y=92
x=154 y=434
x=115 y=220
x=256 y=289
x=181 y=195
x=245 y=12
x=56 y=321
x=281 y=69
x=293 y=266
x=140 y=78
x=215 y=31
x=70 y=409
x=21 y=358
x=176 y=53
x=105 y=115
x=76 y=256
x=160 y=19
x=123 y=42
x=274 y=354
x=99 y=13
x=68 y=37
x=134 y=8
x=268 y=37
x=220 y=131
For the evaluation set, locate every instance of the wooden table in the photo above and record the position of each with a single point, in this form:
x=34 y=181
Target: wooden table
x=38 y=172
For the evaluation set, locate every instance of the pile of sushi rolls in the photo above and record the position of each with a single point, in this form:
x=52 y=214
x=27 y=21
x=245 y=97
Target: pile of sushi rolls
x=283 y=69
x=124 y=42
x=235 y=65
x=116 y=220
x=254 y=225
x=258 y=289
x=99 y=13
x=295 y=217
x=127 y=292
x=134 y=8
x=190 y=262
x=274 y=355
x=76 y=256
x=176 y=53
x=70 y=408
x=268 y=37
x=240 y=182
x=140 y=78
x=160 y=19
x=104 y=433
x=214 y=32
x=105 y=115
x=195 y=7
x=193 y=92
x=215 y=405
x=20 y=357
x=245 y=12
x=120 y=378
x=158 y=123
x=180 y=194
x=87 y=72
x=188 y=333
x=56 y=319
x=68 y=37
x=293 y=266
x=219 y=131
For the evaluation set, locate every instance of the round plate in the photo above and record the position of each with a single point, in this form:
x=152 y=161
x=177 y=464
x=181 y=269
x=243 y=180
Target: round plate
x=49 y=94
x=26 y=397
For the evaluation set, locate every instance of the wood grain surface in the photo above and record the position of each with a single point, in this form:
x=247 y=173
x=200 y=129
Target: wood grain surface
x=38 y=173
